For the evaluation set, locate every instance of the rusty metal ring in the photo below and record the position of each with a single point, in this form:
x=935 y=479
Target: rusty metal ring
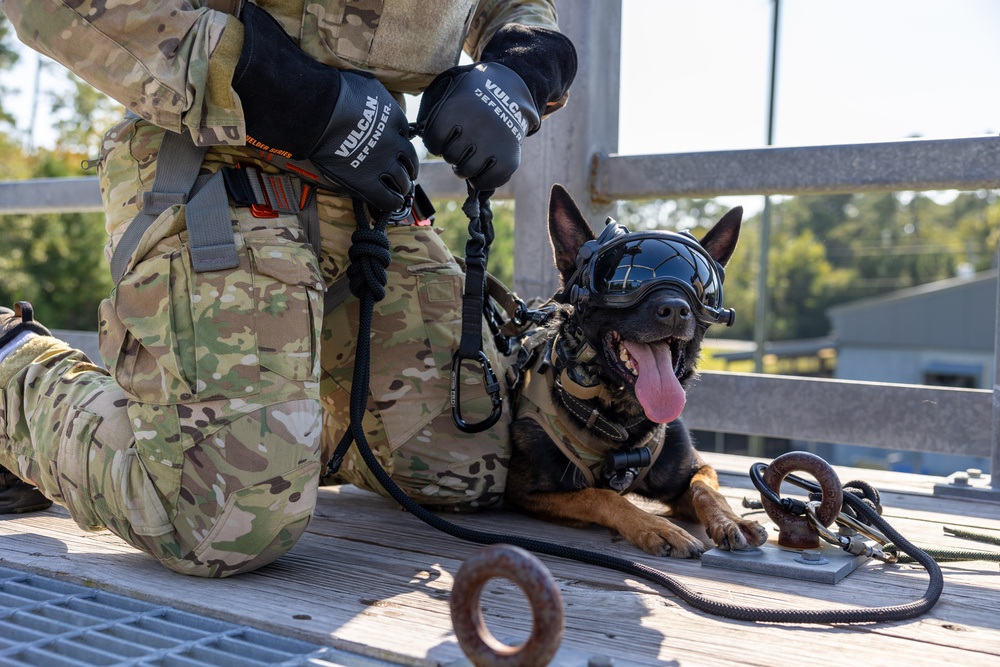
x=794 y=531
x=537 y=584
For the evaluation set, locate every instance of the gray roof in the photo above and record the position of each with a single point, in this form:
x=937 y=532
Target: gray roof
x=956 y=314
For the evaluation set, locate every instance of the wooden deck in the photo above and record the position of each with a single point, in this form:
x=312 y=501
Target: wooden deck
x=373 y=579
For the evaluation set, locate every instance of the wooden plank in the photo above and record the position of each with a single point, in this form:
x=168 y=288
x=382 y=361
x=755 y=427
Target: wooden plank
x=371 y=578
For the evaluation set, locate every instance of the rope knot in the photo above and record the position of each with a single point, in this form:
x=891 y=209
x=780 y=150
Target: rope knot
x=370 y=256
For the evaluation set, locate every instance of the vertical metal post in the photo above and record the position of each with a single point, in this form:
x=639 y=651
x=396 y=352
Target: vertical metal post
x=763 y=306
x=995 y=460
x=760 y=328
x=571 y=143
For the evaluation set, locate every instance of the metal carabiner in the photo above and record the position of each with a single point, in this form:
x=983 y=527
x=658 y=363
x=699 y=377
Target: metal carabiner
x=852 y=544
x=490 y=383
x=523 y=315
x=849 y=523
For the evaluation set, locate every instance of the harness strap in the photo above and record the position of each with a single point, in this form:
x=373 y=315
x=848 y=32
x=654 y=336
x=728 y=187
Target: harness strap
x=498 y=292
x=269 y=195
x=207 y=199
x=177 y=167
x=336 y=293
x=477 y=251
x=210 y=228
x=577 y=390
x=470 y=345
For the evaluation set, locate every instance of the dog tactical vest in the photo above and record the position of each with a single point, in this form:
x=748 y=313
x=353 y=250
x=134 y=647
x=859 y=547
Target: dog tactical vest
x=584 y=446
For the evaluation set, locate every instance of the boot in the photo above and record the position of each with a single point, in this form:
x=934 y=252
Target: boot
x=17 y=322
x=17 y=496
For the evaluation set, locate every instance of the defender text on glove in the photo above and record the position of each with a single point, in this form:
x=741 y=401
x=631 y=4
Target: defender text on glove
x=367 y=133
x=501 y=103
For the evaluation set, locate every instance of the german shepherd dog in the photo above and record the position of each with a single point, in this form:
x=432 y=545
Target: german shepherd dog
x=603 y=386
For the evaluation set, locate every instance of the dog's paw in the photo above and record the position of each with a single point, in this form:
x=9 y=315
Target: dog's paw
x=737 y=534
x=663 y=538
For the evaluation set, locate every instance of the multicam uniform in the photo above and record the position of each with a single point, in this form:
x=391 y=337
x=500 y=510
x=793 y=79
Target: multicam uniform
x=203 y=445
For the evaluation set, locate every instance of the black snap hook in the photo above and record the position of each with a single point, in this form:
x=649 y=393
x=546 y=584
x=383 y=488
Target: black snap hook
x=490 y=383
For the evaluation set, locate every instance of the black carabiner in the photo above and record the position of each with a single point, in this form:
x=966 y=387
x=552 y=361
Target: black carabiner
x=491 y=384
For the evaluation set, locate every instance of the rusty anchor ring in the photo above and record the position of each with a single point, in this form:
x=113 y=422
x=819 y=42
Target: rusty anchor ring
x=794 y=530
x=537 y=584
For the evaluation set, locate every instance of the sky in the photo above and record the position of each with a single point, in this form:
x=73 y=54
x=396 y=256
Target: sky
x=850 y=71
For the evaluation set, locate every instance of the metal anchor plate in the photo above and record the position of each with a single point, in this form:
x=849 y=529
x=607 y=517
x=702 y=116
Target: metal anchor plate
x=825 y=564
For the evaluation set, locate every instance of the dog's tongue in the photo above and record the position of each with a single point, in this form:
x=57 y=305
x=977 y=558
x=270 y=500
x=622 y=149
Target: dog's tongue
x=657 y=388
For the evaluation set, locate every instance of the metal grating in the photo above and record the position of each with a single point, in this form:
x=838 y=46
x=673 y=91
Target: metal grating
x=51 y=623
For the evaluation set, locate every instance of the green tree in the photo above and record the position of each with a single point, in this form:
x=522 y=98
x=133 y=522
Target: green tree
x=455 y=233
x=56 y=261
x=978 y=228
x=803 y=285
x=831 y=249
x=85 y=114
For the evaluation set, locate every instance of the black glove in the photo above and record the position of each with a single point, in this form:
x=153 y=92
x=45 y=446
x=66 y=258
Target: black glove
x=476 y=116
x=346 y=123
x=479 y=122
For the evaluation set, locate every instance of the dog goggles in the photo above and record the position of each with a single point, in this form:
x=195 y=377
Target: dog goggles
x=620 y=268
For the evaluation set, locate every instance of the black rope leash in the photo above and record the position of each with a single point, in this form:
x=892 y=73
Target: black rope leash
x=368 y=284
x=865 y=493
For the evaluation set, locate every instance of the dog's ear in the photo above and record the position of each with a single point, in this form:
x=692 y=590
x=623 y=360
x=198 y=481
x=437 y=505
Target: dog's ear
x=568 y=230
x=720 y=241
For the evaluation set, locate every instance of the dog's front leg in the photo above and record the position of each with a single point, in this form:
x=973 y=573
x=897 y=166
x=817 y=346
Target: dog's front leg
x=702 y=502
x=653 y=534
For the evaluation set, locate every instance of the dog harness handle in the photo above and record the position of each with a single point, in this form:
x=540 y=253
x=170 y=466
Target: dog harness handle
x=470 y=347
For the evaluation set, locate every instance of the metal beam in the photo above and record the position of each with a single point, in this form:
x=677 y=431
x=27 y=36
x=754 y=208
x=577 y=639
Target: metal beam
x=83 y=194
x=995 y=460
x=945 y=164
x=891 y=416
x=439 y=181
x=50 y=195
x=564 y=148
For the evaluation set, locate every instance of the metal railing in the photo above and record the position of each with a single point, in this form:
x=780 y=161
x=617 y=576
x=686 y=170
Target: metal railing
x=577 y=148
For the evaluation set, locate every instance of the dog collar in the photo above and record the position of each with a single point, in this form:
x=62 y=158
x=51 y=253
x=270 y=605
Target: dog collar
x=591 y=417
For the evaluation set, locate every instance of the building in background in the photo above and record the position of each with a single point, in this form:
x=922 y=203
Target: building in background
x=941 y=333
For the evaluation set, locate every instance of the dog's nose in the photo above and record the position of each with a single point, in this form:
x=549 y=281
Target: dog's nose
x=673 y=311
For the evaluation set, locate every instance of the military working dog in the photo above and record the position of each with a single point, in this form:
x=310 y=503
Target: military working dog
x=601 y=385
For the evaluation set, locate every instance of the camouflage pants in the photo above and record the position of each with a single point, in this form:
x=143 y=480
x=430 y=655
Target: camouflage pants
x=202 y=445
x=415 y=330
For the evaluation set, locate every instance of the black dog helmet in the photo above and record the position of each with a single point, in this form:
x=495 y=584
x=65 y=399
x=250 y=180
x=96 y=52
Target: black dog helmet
x=619 y=268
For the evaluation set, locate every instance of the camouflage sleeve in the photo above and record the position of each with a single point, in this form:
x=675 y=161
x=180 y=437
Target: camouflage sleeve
x=168 y=62
x=491 y=15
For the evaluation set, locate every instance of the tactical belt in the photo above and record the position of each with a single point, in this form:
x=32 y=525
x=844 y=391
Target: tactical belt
x=207 y=198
